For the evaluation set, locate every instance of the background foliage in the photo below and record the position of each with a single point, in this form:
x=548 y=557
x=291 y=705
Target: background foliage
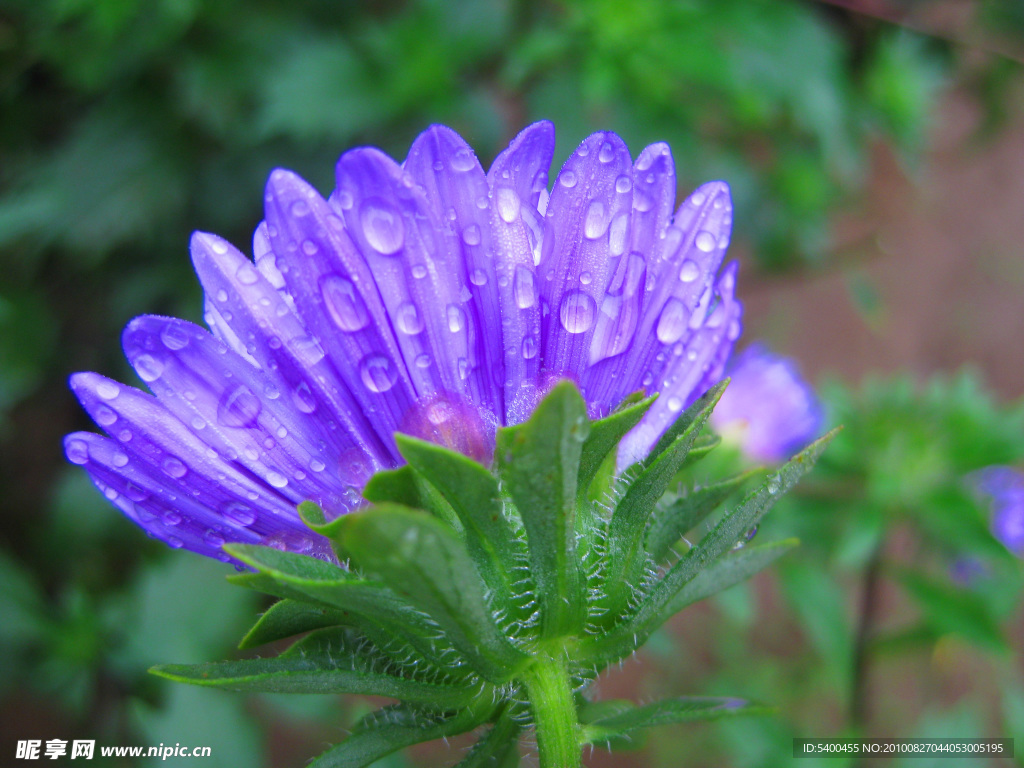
x=124 y=126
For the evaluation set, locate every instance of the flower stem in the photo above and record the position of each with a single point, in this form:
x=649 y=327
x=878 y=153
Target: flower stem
x=554 y=712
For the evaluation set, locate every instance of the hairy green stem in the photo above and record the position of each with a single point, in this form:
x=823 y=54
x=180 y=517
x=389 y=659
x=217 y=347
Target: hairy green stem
x=554 y=712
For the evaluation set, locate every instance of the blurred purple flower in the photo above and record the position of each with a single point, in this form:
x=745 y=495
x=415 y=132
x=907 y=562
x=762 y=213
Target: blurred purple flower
x=426 y=297
x=767 y=408
x=1004 y=488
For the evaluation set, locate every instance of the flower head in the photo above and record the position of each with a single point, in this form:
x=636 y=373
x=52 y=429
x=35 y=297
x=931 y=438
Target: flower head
x=426 y=297
x=768 y=408
x=1004 y=488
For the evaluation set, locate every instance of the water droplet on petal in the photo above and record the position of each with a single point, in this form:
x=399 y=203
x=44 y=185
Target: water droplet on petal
x=508 y=204
x=299 y=209
x=345 y=200
x=596 y=222
x=478 y=277
x=108 y=390
x=407 y=318
x=382 y=226
x=607 y=153
x=214 y=539
x=377 y=373
x=423 y=361
x=618 y=234
x=705 y=241
x=316 y=465
x=344 y=304
x=104 y=416
x=419 y=271
x=303 y=398
x=567 y=179
x=471 y=235
x=623 y=184
x=174 y=467
x=238 y=407
x=675 y=405
x=529 y=348
x=170 y=517
x=689 y=272
x=247 y=274
x=119 y=459
x=238 y=513
x=456 y=318
x=276 y=479
x=672 y=323
x=463 y=160
x=523 y=288
x=577 y=312
x=78 y=451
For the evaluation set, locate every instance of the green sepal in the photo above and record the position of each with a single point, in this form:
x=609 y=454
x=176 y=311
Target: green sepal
x=626 y=553
x=373 y=603
x=288 y=618
x=605 y=435
x=622 y=724
x=329 y=660
x=539 y=462
x=670 y=522
x=498 y=748
x=685 y=420
x=423 y=559
x=393 y=728
x=472 y=492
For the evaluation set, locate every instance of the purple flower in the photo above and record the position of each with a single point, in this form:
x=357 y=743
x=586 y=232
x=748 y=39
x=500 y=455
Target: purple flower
x=768 y=408
x=1004 y=488
x=425 y=297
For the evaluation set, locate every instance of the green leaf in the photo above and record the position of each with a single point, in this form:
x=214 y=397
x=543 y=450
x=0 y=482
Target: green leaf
x=499 y=748
x=673 y=521
x=288 y=618
x=626 y=553
x=682 y=710
x=685 y=420
x=539 y=462
x=393 y=728
x=327 y=661
x=605 y=435
x=952 y=610
x=394 y=485
x=473 y=494
x=422 y=558
x=372 y=603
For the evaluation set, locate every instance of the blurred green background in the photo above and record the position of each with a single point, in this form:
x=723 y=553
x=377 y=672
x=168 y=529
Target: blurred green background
x=873 y=149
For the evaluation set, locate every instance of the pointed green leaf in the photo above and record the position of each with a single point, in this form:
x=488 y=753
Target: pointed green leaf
x=681 y=710
x=538 y=462
x=685 y=420
x=288 y=618
x=306 y=578
x=422 y=558
x=605 y=435
x=394 y=485
x=328 y=661
x=473 y=494
x=628 y=526
x=393 y=728
x=499 y=748
x=673 y=521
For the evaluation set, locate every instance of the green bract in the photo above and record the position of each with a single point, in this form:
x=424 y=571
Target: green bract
x=494 y=597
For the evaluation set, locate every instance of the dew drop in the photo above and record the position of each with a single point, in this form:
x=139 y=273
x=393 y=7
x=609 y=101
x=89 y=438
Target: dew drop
x=508 y=204
x=567 y=179
x=675 y=405
x=607 y=153
x=246 y=274
x=276 y=479
x=456 y=318
x=623 y=184
x=108 y=390
x=174 y=542
x=299 y=209
x=104 y=416
x=345 y=200
x=463 y=160
x=523 y=288
x=316 y=465
x=774 y=485
x=471 y=235
x=238 y=513
x=170 y=517
x=423 y=361
x=222 y=295
x=214 y=539
x=119 y=459
x=303 y=398
x=78 y=451
x=529 y=348
x=344 y=304
x=382 y=226
x=705 y=241
x=689 y=271
x=407 y=318
x=698 y=198
x=238 y=407
x=419 y=271
x=672 y=322
x=596 y=223
x=478 y=277
x=377 y=373
x=618 y=234
x=174 y=467
x=577 y=312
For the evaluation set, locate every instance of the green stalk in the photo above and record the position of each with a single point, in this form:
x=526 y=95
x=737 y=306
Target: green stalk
x=554 y=712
